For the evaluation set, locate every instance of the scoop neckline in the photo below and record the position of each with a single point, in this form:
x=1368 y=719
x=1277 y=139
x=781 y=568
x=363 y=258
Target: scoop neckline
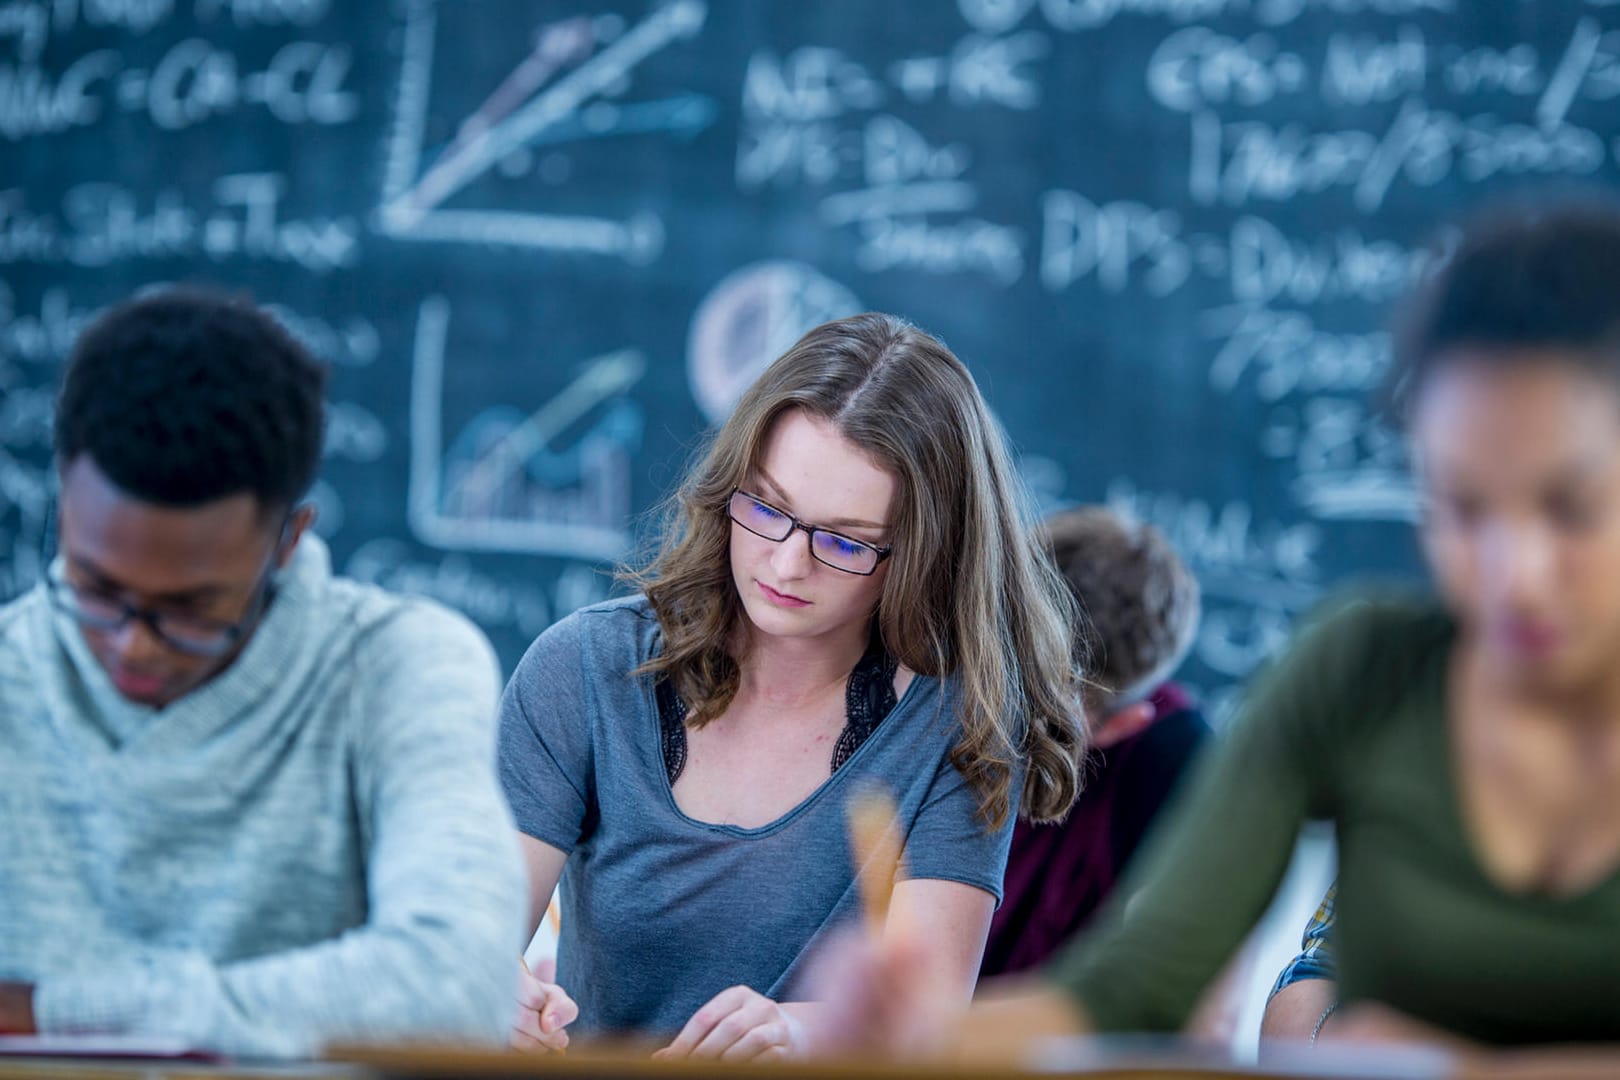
x=1443 y=735
x=805 y=805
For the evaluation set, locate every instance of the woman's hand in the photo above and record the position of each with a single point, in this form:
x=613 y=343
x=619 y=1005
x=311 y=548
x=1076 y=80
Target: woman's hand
x=882 y=999
x=544 y=1011
x=741 y=1024
x=888 y=1000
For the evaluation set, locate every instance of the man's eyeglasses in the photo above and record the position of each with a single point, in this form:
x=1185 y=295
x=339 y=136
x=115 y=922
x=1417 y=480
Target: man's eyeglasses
x=834 y=549
x=194 y=635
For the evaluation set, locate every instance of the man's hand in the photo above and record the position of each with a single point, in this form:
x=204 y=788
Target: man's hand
x=16 y=1009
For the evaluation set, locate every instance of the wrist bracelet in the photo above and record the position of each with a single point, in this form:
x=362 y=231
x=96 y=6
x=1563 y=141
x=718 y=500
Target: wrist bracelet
x=1320 y=1020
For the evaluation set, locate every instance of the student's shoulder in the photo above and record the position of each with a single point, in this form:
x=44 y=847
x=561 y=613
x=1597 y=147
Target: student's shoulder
x=23 y=621
x=621 y=614
x=15 y=614
x=387 y=627
x=1360 y=658
x=1383 y=630
x=1178 y=732
x=613 y=633
x=619 y=622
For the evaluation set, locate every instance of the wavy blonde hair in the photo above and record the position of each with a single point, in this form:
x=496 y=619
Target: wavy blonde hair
x=969 y=593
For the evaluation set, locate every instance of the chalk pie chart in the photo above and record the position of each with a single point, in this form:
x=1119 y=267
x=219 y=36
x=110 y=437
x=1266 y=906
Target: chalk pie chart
x=750 y=318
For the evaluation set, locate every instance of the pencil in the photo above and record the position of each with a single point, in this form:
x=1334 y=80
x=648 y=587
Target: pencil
x=874 y=837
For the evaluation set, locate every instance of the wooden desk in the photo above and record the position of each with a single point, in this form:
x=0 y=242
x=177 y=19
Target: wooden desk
x=423 y=1064
x=1092 y=1059
x=579 y=1067
x=21 y=1068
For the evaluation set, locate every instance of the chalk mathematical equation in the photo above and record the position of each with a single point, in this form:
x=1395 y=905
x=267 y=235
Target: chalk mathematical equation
x=1197 y=68
x=819 y=119
x=1257 y=575
x=304 y=82
x=97 y=224
x=1123 y=244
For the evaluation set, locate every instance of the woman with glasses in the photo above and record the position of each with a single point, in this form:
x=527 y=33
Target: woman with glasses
x=846 y=595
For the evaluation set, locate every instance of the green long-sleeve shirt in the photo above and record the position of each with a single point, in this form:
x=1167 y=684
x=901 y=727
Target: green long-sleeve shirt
x=1351 y=727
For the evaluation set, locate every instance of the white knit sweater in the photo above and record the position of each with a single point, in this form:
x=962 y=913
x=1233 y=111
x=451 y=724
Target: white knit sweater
x=311 y=847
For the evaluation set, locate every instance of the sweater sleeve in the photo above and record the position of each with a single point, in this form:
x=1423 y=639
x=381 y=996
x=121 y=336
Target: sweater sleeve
x=1205 y=878
x=435 y=958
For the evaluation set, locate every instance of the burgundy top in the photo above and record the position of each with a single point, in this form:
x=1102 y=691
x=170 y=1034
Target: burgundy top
x=1058 y=875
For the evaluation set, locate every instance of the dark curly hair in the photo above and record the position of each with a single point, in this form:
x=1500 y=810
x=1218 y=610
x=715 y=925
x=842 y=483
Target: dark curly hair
x=1140 y=602
x=1524 y=277
x=188 y=395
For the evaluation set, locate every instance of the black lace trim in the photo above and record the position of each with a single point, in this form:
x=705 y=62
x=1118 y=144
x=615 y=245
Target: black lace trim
x=672 y=728
x=868 y=698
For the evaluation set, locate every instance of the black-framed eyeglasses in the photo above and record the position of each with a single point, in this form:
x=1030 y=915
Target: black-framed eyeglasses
x=836 y=550
x=194 y=635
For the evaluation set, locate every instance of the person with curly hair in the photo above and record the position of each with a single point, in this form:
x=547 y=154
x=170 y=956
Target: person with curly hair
x=848 y=594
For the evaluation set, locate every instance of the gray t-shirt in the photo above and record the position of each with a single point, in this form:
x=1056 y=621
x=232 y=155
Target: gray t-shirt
x=660 y=911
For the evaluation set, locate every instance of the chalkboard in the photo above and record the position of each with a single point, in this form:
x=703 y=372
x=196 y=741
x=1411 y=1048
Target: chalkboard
x=542 y=245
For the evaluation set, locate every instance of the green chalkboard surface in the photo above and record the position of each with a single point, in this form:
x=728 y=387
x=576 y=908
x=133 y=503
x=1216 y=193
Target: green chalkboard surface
x=544 y=244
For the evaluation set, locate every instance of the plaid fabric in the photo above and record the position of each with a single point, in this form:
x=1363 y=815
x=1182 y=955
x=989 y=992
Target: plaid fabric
x=1315 y=960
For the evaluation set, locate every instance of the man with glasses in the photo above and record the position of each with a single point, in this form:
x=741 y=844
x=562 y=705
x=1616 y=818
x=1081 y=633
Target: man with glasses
x=248 y=807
